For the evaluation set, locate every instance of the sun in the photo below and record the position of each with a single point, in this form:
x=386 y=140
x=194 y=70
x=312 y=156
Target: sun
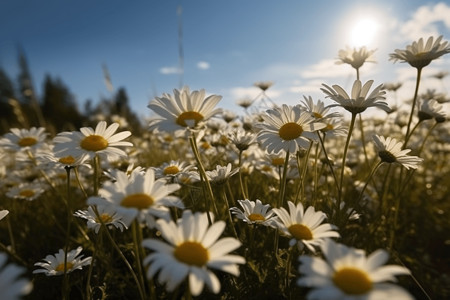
x=363 y=32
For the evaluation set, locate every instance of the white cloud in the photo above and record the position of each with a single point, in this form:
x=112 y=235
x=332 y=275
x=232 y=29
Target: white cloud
x=170 y=70
x=425 y=20
x=326 y=68
x=203 y=65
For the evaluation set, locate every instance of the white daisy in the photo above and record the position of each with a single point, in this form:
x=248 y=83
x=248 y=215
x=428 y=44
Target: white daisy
x=138 y=195
x=430 y=109
x=101 y=141
x=348 y=274
x=359 y=101
x=318 y=110
x=304 y=227
x=183 y=110
x=11 y=286
x=192 y=248
x=26 y=191
x=390 y=151
x=107 y=214
x=221 y=174
x=254 y=212
x=3 y=213
x=287 y=128
x=419 y=55
x=173 y=169
x=54 y=264
x=22 y=139
x=355 y=57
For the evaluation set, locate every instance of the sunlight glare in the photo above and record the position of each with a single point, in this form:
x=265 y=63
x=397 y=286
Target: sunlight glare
x=363 y=32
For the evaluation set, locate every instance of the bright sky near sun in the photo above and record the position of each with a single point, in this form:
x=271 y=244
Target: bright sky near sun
x=227 y=46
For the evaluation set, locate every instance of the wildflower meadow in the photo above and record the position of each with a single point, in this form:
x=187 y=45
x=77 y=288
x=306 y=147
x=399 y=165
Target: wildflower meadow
x=323 y=199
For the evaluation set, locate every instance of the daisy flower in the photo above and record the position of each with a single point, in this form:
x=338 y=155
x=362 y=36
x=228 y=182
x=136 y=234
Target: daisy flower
x=355 y=57
x=347 y=273
x=173 y=169
x=190 y=250
x=263 y=85
x=318 y=110
x=420 y=55
x=53 y=265
x=390 y=151
x=107 y=214
x=430 y=109
x=287 y=128
x=254 y=212
x=241 y=139
x=304 y=227
x=221 y=174
x=138 y=195
x=11 y=286
x=102 y=141
x=359 y=100
x=23 y=139
x=183 y=110
x=3 y=213
x=245 y=102
x=26 y=191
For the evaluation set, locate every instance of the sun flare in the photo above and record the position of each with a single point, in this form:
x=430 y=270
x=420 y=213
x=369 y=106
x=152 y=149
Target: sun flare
x=363 y=32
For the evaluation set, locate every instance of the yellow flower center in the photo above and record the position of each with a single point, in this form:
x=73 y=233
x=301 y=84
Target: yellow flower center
x=266 y=168
x=352 y=281
x=67 y=160
x=27 y=141
x=94 y=143
x=205 y=145
x=290 y=131
x=317 y=115
x=387 y=156
x=26 y=193
x=278 y=161
x=191 y=253
x=139 y=201
x=105 y=218
x=256 y=218
x=60 y=267
x=189 y=115
x=171 y=170
x=300 y=232
x=328 y=127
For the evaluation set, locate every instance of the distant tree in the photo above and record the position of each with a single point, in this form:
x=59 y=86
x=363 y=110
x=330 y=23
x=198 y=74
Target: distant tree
x=7 y=114
x=59 y=106
x=27 y=93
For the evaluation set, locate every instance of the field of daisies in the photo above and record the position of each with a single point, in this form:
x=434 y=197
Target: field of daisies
x=276 y=201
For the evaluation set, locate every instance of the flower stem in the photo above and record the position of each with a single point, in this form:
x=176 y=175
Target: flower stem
x=374 y=169
x=407 y=135
x=203 y=176
x=283 y=180
x=241 y=183
x=344 y=158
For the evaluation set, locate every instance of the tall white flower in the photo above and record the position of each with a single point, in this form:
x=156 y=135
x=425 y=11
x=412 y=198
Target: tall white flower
x=390 y=151
x=348 y=274
x=304 y=227
x=191 y=249
x=185 y=109
x=53 y=265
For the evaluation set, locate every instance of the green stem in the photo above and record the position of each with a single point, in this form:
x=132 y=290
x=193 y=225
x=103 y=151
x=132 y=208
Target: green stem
x=241 y=183
x=374 y=169
x=66 y=288
x=283 y=180
x=344 y=158
x=303 y=175
x=137 y=241
x=363 y=140
x=203 y=176
x=408 y=134
x=322 y=143
x=225 y=199
x=426 y=137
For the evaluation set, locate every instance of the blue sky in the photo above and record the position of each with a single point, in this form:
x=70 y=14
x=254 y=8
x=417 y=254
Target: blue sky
x=227 y=45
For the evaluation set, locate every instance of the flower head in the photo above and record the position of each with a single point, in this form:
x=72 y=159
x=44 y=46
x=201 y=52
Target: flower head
x=430 y=109
x=54 y=264
x=173 y=169
x=420 y=55
x=101 y=141
x=355 y=57
x=11 y=286
x=138 y=195
x=254 y=212
x=221 y=174
x=390 y=151
x=318 y=110
x=22 y=139
x=191 y=249
x=304 y=227
x=347 y=273
x=359 y=100
x=26 y=191
x=287 y=128
x=106 y=214
x=183 y=110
